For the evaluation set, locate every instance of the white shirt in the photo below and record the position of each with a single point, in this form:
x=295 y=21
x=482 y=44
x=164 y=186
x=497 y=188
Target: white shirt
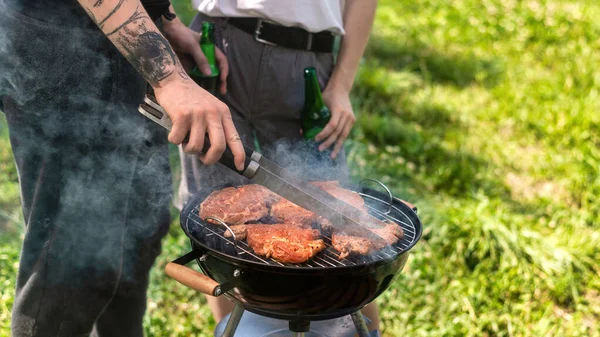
x=312 y=15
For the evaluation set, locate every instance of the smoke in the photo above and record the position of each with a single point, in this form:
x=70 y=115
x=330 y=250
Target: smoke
x=94 y=173
x=303 y=158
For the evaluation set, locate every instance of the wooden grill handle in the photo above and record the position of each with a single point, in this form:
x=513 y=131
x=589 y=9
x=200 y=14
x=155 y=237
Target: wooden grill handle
x=192 y=279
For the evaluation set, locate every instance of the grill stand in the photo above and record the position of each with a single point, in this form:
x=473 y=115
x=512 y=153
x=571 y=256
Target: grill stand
x=298 y=328
x=360 y=324
x=234 y=321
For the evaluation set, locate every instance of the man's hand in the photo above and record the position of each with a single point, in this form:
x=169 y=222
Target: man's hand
x=358 y=20
x=192 y=110
x=342 y=120
x=196 y=112
x=185 y=43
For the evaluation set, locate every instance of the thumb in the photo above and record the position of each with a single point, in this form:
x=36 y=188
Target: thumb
x=197 y=36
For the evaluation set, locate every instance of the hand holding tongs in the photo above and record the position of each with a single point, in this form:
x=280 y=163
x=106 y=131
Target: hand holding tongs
x=282 y=182
x=151 y=109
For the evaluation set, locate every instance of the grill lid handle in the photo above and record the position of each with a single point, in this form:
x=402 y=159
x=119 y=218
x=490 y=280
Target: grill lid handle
x=193 y=279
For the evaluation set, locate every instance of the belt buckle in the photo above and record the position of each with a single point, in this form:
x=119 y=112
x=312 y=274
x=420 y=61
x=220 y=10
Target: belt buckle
x=257 y=33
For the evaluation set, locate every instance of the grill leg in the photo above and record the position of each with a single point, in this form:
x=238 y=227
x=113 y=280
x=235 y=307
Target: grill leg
x=234 y=321
x=359 y=323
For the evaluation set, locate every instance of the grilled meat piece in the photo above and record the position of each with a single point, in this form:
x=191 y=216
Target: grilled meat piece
x=238 y=205
x=347 y=245
x=240 y=232
x=347 y=196
x=292 y=239
x=285 y=211
x=391 y=232
x=356 y=245
x=258 y=193
x=284 y=243
x=353 y=243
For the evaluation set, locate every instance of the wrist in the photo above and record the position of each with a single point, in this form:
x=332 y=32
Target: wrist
x=175 y=77
x=340 y=82
x=338 y=86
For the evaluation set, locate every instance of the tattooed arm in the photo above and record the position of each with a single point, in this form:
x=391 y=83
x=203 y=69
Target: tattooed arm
x=191 y=109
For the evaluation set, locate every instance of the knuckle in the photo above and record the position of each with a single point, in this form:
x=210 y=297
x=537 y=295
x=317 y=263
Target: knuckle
x=223 y=108
x=211 y=111
x=189 y=148
x=192 y=148
x=219 y=147
x=184 y=115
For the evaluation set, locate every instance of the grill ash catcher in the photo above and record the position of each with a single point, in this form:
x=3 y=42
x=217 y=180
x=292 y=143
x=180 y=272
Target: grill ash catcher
x=322 y=297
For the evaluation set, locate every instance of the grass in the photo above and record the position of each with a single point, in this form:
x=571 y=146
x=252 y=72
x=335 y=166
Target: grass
x=483 y=114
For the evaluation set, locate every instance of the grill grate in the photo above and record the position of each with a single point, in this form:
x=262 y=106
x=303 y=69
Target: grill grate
x=327 y=258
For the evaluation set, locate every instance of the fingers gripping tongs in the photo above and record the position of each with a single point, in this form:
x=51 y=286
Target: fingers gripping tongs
x=265 y=172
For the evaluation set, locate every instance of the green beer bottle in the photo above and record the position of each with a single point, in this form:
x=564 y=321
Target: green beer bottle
x=315 y=115
x=207 y=44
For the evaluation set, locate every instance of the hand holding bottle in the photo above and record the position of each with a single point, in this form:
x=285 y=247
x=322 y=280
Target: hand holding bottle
x=186 y=43
x=341 y=122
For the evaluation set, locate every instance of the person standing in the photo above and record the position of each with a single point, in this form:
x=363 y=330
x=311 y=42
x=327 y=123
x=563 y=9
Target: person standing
x=268 y=44
x=94 y=173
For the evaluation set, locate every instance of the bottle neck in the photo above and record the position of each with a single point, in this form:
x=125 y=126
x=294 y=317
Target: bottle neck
x=207 y=37
x=208 y=48
x=312 y=90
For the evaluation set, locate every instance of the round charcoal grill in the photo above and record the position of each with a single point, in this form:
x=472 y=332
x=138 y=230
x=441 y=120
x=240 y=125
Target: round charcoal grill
x=323 y=288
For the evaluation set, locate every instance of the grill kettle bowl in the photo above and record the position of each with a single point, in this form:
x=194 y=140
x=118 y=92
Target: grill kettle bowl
x=291 y=292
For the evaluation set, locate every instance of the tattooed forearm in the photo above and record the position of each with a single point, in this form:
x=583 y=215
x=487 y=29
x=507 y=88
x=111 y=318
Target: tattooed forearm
x=150 y=53
x=147 y=50
x=111 y=13
x=137 y=15
x=133 y=32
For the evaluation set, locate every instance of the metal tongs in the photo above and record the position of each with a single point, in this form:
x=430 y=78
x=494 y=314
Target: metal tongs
x=265 y=172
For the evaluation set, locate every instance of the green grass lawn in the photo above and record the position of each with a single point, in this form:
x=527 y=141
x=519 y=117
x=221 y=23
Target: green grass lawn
x=485 y=115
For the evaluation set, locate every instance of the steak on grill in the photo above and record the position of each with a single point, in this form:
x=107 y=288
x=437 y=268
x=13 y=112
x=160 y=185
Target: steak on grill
x=238 y=205
x=390 y=232
x=284 y=243
x=292 y=238
x=353 y=243
x=285 y=211
x=240 y=232
x=334 y=188
x=357 y=245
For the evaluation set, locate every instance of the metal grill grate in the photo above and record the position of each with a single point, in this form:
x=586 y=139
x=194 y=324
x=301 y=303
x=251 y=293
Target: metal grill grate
x=327 y=258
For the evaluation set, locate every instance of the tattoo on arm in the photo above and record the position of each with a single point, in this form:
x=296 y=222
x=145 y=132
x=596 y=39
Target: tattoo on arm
x=113 y=11
x=147 y=50
x=137 y=15
x=141 y=43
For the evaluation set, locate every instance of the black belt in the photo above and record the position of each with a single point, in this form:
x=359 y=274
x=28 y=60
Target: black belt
x=289 y=37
